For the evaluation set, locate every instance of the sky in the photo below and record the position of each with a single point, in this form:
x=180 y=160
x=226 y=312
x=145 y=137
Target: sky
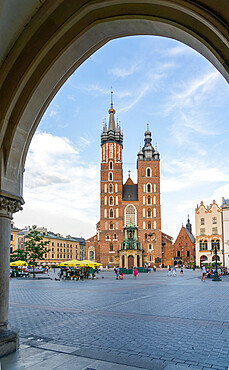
x=155 y=80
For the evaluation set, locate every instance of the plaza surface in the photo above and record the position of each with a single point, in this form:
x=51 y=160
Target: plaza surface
x=153 y=322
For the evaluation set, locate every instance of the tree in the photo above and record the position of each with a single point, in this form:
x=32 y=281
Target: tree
x=35 y=247
x=19 y=254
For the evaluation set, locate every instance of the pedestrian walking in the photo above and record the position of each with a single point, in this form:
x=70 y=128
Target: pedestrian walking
x=181 y=270
x=169 y=271
x=135 y=273
x=204 y=271
x=117 y=273
x=174 y=271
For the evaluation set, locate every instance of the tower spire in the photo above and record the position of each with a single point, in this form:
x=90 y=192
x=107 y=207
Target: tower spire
x=111 y=112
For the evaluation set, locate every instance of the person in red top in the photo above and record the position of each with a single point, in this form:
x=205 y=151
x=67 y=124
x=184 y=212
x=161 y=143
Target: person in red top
x=135 y=272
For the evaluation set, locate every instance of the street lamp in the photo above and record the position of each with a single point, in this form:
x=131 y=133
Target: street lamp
x=216 y=276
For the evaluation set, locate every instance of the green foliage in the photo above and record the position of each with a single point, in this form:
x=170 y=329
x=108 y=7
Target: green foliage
x=35 y=246
x=19 y=254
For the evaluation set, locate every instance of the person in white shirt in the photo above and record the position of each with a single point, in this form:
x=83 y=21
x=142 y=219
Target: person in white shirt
x=204 y=271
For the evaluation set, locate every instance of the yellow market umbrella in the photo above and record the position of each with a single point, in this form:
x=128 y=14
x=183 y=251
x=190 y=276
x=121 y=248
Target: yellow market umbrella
x=87 y=262
x=71 y=263
x=19 y=263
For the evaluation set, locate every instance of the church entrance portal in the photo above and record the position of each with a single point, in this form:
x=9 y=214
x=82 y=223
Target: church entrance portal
x=130 y=262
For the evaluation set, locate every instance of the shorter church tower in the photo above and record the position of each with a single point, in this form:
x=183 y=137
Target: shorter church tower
x=149 y=209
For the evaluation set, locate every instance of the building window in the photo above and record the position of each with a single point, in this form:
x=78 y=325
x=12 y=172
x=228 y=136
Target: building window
x=148 y=172
x=150 y=246
x=110 y=176
x=130 y=214
x=111 y=201
x=149 y=226
x=52 y=243
x=214 y=220
x=149 y=199
x=149 y=212
x=57 y=244
x=202 y=221
x=111 y=226
x=105 y=225
x=214 y=230
x=149 y=188
x=112 y=259
x=111 y=247
x=202 y=231
x=110 y=188
x=111 y=213
x=217 y=244
x=178 y=253
x=154 y=237
x=111 y=165
x=188 y=254
x=150 y=258
x=203 y=245
x=11 y=237
x=52 y=255
x=107 y=237
x=111 y=151
x=146 y=236
x=115 y=237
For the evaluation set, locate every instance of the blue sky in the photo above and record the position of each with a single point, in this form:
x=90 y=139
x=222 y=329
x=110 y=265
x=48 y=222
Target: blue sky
x=156 y=80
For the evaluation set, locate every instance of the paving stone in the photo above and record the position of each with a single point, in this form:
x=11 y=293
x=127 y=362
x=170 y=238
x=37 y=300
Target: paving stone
x=143 y=319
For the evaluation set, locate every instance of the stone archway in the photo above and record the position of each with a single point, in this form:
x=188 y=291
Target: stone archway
x=59 y=37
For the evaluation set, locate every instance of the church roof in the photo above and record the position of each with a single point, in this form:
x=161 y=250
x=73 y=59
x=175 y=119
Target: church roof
x=129 y=181
x=191 y=237
x=130 y=192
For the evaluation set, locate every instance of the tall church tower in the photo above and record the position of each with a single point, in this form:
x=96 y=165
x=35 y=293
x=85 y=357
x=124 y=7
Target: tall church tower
x=111 y=217
x=149 y=210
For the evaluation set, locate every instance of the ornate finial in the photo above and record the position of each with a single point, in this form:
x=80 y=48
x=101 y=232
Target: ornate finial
x=147 y=126
x=111 y=97
x=129 y=173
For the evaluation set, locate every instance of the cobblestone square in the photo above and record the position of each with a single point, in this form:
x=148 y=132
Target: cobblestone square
x=153 y=322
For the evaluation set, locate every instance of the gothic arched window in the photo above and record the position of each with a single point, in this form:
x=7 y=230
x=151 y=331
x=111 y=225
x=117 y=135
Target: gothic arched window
x=111 y=165
x=146 y=236
x=111 y=201
x=111 y=247
x=149 y=188
x=111 y=188
x=148 y=172
x=130 y=214
x=110 y=176
x=149 y=226
x=111 y=213
x=149 y=199
x=111 y=226
x=149 y=212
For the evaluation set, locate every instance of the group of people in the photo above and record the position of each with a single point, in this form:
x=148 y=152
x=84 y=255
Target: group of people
x=210 y=272
x=172 y=271
x=148 y=267
x=119 y=275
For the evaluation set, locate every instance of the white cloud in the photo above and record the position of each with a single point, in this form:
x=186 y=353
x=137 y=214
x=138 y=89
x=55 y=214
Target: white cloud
x=191 y=93
x=126 y=71
x=52 y=113
x=179 y=50
x=59 y=188
x=190 y=174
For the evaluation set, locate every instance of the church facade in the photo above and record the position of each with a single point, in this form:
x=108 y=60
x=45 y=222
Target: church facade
x=129 y=231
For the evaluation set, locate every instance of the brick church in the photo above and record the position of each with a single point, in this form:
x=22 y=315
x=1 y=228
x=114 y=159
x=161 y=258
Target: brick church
x=129 y=231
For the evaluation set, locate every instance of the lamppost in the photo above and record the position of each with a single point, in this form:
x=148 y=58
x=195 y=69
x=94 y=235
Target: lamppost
x=216 y=276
